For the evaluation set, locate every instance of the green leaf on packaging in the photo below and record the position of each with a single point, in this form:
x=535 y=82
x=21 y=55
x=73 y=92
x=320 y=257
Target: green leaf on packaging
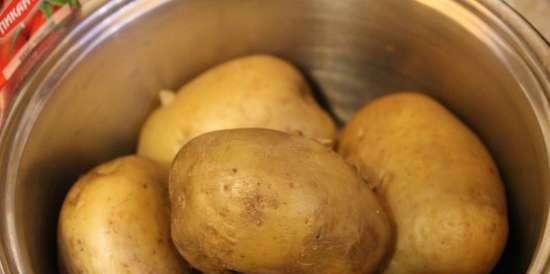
x=46 y=9
x=74 y=3
x=16 y=34
x=57 y=3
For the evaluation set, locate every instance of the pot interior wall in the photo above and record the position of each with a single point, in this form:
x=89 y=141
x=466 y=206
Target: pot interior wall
x=352 y=51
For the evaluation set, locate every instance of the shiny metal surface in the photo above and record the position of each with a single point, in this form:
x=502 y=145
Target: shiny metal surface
x=535 y=11
x=86 y=101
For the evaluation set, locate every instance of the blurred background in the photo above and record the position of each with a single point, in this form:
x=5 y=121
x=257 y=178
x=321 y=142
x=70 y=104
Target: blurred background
x=537 y=12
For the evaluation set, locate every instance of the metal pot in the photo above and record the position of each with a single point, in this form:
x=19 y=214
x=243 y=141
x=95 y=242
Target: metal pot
x=85 y=100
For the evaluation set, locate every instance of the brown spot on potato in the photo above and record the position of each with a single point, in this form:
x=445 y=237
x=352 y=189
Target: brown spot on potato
x=253 y=207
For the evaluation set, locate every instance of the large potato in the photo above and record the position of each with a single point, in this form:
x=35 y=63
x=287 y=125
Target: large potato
x=115 y=219
x=265 y=202
x=254 y=91
x=437 y=181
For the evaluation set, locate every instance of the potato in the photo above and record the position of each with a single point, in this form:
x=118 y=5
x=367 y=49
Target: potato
x=437 y=181
x=265 y=202
x=254 y=91
x=115 y=219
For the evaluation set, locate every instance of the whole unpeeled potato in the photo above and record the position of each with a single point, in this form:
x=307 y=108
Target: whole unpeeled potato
x=253 y=91
x=115 y=219
x=265 y=202
x=437 y=180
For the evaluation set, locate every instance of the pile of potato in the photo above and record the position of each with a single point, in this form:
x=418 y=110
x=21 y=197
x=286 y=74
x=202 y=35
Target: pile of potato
x=241 y=171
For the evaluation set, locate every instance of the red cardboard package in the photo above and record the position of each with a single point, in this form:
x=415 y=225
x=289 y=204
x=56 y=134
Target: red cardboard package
x=23 y=24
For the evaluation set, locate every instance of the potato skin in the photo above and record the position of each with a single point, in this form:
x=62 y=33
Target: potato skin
x=115 y=219
x=265 y=202
x=253 y=91
x=439 y=183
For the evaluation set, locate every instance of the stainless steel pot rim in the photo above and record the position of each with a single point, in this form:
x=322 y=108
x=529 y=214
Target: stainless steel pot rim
x=102 y=18
x=536 y=53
